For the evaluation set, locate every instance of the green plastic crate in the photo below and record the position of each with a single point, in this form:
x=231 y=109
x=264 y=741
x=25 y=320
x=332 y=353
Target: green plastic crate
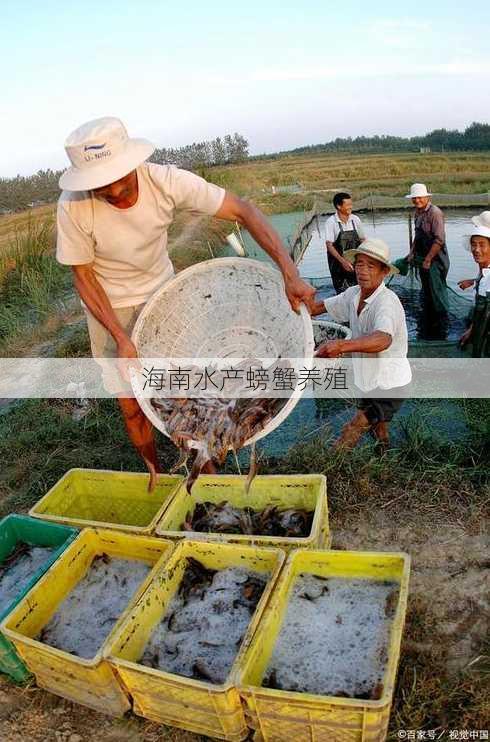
x=15 y=528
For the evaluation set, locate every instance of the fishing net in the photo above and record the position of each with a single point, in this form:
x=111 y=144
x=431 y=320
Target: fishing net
x=409 y=290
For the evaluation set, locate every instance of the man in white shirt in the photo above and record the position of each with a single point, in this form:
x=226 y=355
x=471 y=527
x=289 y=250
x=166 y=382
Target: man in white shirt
x=113 y=217
x=478 y=333
x=343 y=231
x=379 y=343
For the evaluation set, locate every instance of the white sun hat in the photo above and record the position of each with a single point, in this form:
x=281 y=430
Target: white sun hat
x=100 y=153
x=374 y=248
x=482 y=220
x=476 y=232
x=418 y=190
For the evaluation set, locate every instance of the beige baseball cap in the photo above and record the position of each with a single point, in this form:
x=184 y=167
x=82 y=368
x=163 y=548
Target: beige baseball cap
x=100 y=153
x=375 y=248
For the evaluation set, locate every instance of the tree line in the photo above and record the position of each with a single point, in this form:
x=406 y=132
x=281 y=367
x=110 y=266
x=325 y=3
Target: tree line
x=230 y=149
x=22 y=192
x=474 y=137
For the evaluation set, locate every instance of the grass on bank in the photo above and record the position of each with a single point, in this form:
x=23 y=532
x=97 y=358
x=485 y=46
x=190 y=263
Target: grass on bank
x=387 y=174
x=40 y=440
x=11 y=224
x=36 y=292
x=424 y=454
x=32 y=283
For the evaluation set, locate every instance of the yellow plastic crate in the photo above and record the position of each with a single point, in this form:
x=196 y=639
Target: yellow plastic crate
x=107 y=499
x=279 y=715
x=297 y=491
x=90 y=682
x=200 y=707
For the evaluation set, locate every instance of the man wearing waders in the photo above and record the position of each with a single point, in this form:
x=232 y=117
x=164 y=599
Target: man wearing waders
x=478 y=334
x=430 y=256
x=343 y=231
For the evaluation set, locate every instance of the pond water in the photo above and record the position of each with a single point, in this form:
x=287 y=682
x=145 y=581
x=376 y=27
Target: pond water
x=392 y=227
x=319 y=418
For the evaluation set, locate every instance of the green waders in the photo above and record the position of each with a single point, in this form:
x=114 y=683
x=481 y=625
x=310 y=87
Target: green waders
x=480 y=335
x=348 y=239
x=435 y=304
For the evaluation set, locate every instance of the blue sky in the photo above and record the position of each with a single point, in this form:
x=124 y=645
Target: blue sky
x=281 y=74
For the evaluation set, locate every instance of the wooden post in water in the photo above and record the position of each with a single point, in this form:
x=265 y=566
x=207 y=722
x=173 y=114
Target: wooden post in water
x=410 y=232
x=372 y=210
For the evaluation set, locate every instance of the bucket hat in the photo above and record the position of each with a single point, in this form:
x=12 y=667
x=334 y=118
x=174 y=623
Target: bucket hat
x=100 y=153
x=476 y=232
x=418 y=190
x=482 y=220
x=374 y=248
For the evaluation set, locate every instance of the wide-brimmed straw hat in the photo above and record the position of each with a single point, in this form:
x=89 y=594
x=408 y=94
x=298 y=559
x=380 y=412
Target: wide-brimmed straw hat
x=374 y=248
x=418 y=190
x=100 y=153
x=476 y=232
x=482 y=220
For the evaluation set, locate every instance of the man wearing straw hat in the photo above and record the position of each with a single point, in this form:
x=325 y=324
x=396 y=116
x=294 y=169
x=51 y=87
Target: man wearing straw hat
x=113 y=217
x=429 y=254
x=379 y=343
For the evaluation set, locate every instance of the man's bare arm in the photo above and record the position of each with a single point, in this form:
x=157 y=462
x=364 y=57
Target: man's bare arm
x=316 y=307
x=248 y=215
x=376 y=342
x=95 y=298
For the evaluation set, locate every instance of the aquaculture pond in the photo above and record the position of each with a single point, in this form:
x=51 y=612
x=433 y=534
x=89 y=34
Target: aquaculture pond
x=391 y=226
x=317 y=417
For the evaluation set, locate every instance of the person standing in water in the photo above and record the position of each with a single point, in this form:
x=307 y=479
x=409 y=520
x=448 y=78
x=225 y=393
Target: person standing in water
x=343 y=231
x=482 y=220
x=478 y=334
x=429 y=253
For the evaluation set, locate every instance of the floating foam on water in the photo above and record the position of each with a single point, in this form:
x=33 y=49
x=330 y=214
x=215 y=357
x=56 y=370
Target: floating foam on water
x=87 y=615
x=14 y=577
x=334 y=638
x=199 y=636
